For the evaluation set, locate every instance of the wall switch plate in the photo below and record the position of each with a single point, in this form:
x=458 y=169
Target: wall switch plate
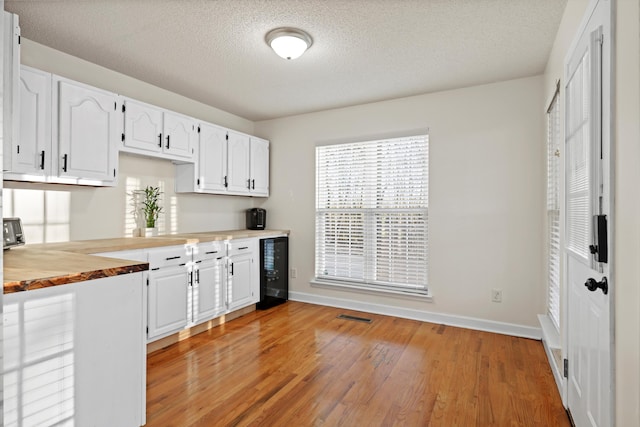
x=294 y=273
x=496 y=295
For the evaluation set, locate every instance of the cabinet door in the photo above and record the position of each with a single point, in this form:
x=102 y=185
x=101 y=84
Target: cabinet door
x=238 y=163
x=87 y=132
x=168 y=299
x=208 y=290
x=212 y=175
x=142 y=126
x=32 y=151
x=240 y=292
x=259 y=167
x=179 y=135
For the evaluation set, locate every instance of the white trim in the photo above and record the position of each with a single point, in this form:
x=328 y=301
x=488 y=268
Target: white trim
x=551 y=340
x=370 y=289
x=425 y=316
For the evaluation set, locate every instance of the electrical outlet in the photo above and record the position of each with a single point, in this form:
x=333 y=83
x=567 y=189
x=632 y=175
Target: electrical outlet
x=294 y=273
x=496 y=295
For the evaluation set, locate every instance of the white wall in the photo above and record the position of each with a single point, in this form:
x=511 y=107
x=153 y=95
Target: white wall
x=60 y=213
x=486 y=193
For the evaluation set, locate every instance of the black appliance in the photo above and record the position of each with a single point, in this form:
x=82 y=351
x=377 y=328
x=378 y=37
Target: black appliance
x=256 y=218
x=274 y=265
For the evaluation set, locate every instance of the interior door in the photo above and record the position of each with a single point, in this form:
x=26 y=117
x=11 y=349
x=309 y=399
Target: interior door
x=588 y=221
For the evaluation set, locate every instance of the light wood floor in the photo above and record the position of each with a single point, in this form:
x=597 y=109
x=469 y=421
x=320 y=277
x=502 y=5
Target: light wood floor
x=299 y=365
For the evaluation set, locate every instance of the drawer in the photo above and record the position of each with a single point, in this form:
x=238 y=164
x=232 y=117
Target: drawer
x=209 y=250
x=240 y=246
x=172 y=255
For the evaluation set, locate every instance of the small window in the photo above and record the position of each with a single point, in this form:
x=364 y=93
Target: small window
x=371 y=214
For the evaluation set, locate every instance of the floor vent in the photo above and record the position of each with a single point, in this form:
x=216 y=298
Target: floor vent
x=355 y=318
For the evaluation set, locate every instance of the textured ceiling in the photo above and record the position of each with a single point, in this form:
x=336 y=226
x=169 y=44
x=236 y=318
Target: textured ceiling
x=213 y=51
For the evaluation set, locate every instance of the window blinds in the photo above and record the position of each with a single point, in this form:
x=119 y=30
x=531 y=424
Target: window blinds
x=371 y=213
x=553 y=212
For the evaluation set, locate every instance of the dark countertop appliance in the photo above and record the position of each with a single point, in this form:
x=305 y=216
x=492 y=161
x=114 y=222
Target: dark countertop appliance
x=256 y=219
x=12 y=233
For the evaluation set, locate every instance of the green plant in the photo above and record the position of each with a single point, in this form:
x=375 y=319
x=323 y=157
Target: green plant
x=151 y=205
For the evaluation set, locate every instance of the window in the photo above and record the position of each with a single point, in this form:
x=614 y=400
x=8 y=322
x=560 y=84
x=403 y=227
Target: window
x=371 y=214
x=553 y=210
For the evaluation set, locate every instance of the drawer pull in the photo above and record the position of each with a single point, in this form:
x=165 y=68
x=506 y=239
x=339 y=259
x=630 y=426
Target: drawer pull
x=172 y=257
x=244 y=247
x=211 y=252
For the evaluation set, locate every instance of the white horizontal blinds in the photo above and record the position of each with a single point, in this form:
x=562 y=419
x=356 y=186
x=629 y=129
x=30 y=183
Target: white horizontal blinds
x=578 y=159
x=553 y=212
x=371 y=212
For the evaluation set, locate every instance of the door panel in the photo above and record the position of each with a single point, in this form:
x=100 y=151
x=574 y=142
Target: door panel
x=587 y=193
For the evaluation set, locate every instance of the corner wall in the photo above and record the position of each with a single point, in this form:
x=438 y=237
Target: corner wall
x=486 y=194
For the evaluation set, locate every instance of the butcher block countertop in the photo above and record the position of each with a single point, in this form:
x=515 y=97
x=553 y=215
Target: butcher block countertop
x=51 y=264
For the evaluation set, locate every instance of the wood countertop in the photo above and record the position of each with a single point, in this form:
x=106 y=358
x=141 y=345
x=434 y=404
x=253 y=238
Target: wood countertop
x=51 y=264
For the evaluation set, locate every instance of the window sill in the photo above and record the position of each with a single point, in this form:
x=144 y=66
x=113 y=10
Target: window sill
x=424 y=295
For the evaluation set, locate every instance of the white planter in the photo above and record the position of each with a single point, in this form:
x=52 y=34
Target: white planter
x=149 y=232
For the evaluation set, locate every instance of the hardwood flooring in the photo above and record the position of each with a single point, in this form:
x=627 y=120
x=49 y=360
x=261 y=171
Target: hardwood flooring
x=299 y=365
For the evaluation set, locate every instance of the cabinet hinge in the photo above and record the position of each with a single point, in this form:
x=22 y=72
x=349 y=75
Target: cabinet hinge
x=18 y=149
x=115 y=106
x=147 y=281
x=227 y=137
x=114 y=172
x=566 y=368
x=198 y=181
x=147 y=330
x=124 y=108
x=198 y=129
x=19 y=39
x=123 y=137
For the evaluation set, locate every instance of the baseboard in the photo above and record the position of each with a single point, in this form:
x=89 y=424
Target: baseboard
x=425 y=316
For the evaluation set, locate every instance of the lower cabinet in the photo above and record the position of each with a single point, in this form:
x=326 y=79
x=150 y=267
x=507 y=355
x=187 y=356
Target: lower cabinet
x=168 y=296
x=76 y=354
x=243 y=287
x=208 y=288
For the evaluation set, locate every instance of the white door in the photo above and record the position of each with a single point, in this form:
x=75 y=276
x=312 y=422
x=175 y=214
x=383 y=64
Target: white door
x=32 y=153
x=238 y=163
x=208 y=289
x=588 y=190
x=179 y=135
x=259 y=167
x=142 y=126
x=212 y=173
x=88 y=132
x=168 y=300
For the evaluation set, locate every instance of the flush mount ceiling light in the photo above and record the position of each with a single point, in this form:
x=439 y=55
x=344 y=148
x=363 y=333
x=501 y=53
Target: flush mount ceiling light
x=288 y=43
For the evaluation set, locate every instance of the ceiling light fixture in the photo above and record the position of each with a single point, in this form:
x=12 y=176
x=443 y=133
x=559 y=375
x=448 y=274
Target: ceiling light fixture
x=288 y=43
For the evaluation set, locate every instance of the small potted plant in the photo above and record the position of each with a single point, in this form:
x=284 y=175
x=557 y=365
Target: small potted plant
x=151 y=209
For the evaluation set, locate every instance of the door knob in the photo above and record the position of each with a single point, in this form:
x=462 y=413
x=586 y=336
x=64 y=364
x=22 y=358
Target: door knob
x=593 y=285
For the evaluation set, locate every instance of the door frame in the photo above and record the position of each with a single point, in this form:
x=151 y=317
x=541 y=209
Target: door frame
x=607 y=111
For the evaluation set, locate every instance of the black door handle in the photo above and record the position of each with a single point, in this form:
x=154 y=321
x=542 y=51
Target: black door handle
x=42 y=160
x=159 y=140
x=593 y=285
x=168 y=141
x=64 y=163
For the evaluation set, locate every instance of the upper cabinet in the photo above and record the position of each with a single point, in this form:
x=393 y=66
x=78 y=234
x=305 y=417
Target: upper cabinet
x=31 y=151
x=67 y=132
x=87 y=132
x=10 y=90
x=228 y=163
x=155 y=132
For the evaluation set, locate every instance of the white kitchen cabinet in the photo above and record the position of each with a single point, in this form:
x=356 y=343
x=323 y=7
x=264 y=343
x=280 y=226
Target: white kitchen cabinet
x=238 y=163
x=208 y=281
x=31 y=150
x=168 y=291
x=259 y=167
x=87 y=132
x=10 y=48
x=75 y=354
x=156 y=132
x=212 y=159
x=243 y=287
x=142 y=126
